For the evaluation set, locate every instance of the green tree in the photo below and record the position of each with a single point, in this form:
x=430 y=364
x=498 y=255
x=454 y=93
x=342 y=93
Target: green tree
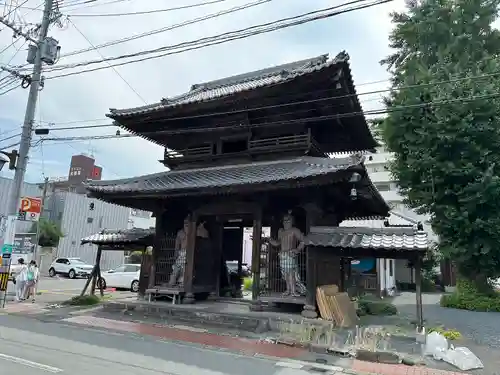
x=444 y=129
x=50 y=233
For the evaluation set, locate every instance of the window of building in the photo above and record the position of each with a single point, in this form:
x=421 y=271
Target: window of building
x=383 y=187
x=90 y=220
x=230 y=146
x=391 y=268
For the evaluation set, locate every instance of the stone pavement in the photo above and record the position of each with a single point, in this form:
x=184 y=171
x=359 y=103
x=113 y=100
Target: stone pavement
x=292 y=356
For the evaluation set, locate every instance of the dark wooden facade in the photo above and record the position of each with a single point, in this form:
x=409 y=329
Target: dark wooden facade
x=244 y=151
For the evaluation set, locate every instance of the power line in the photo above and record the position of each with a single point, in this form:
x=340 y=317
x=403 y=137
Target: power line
x=299 y=120
x=296 y=103
x=171 y=27
x=114 y=69
x=225 y=38
x=12 y=136
x=150 y=11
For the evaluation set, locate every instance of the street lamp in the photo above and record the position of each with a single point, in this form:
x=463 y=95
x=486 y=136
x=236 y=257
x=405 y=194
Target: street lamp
x=11 y=159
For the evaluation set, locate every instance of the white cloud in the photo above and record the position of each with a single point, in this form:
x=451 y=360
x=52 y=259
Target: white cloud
x=363 y=34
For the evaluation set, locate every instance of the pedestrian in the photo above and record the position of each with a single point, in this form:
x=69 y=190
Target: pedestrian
x=21 y=280
x=31 y=281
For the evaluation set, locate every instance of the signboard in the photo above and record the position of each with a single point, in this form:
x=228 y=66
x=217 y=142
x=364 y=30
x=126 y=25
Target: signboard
x=4 y=280
x=24 y=243
x=30 y=209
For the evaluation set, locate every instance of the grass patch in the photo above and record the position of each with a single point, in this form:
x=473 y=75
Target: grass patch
x=86 y=300
x=376 y=307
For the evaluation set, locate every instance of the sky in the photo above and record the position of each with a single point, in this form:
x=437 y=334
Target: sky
x=84 y=99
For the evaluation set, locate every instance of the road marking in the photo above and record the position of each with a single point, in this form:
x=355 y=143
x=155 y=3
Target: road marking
x=295 y=364
x=31 y=364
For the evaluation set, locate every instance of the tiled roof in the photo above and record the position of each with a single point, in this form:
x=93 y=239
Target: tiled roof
x=118 y=236
x=225 y=177
x=239 y=83
x=373 y=238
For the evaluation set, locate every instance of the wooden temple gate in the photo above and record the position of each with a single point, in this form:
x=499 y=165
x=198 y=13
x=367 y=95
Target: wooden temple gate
x=253 y=150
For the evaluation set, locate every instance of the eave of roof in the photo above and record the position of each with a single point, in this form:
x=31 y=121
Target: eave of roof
x=227 y=176
x=217 y=89
x=119 y=236
x=402 y=239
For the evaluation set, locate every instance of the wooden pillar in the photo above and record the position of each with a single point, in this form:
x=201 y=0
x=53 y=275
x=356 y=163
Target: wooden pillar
x=309 y=309
x=418 y=283
x=156 y=248
x=217 y=252
x=256 y=250
x=189 y=266
x=97 y=272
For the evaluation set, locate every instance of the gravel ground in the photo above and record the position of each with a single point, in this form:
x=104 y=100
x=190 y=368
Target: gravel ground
x=480 y=330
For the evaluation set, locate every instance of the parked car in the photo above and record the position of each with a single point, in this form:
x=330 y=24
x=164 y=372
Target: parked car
x=71 y=267
x=124 y=277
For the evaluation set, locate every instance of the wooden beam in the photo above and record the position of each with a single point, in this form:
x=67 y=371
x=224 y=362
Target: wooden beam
x=96 y=272
x=418 y=283
x=189 y=266
x=256 y=250
x=227 y=208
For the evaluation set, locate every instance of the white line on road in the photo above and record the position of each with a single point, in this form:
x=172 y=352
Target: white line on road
x=295 y=364
x=25 y=362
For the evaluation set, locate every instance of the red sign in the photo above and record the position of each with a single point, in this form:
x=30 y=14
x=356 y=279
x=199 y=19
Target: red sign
x=31 y=205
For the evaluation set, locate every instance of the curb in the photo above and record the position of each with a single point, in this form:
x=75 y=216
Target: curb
x=234 y=321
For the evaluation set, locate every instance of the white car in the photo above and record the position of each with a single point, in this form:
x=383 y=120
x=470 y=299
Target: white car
x=124 y=277
x=71 y=267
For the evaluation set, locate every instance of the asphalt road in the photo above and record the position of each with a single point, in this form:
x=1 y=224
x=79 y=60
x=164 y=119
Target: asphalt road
x=33 y=347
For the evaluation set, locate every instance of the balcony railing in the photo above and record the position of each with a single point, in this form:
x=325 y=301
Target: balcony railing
x=255 y=146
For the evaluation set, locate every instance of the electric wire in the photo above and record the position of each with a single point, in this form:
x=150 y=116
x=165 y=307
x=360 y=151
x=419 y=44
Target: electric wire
x=170 y=28
x=12 y=136
x=197 y=5
x=114 y=69
x=298 y=120
x=296 y=103
x=216 y=42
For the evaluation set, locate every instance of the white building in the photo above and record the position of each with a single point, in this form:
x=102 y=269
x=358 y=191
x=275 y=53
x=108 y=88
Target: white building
x=79 y=216
x=390 y=271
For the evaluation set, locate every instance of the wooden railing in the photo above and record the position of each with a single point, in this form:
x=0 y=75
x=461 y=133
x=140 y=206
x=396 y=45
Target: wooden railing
x=274 y=143
x=256 y=145
x=189 y=153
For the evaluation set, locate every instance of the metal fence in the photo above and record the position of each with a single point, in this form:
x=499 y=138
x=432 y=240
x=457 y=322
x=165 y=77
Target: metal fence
x=283 y=274
x=170 y=264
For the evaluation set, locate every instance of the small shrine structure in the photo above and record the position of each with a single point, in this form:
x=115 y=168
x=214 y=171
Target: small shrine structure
x=252 y=150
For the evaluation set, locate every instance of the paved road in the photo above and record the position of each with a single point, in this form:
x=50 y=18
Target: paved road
x=32 y=347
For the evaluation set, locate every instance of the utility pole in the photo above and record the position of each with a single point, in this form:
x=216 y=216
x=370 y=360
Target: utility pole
x=30 y=113
x=44 y=197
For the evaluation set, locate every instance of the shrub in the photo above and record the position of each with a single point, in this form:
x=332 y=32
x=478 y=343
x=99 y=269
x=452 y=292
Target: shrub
x=469 y=297
x=461 y=301
x=368 y=307
x=450 y=334
x=86 y=300
x=247 y=283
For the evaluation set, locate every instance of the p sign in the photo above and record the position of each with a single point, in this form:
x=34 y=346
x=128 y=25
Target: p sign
x=30 y=209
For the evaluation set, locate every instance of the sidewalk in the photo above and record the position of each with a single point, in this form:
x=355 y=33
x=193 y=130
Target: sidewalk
x=292 y=357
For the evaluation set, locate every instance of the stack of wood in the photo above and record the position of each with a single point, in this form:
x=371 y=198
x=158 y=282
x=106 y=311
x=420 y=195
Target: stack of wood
x=335 y=306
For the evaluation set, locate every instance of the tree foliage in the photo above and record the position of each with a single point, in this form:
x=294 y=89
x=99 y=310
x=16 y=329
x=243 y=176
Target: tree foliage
x=444 y=125
x=49 y=234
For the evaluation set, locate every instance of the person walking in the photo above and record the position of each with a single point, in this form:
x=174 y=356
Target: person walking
x=31 y=281
x=21 y=280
